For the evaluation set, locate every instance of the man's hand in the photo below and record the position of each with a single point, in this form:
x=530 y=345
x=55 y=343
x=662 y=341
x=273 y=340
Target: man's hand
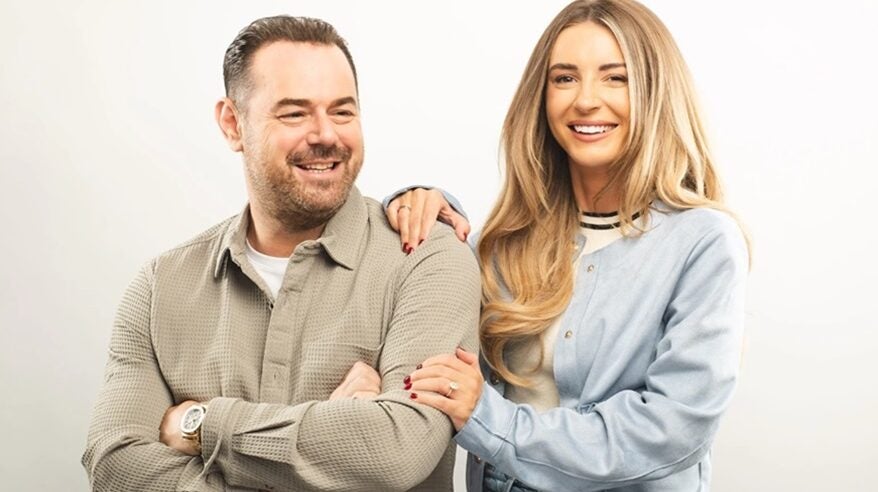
x=361 y=382
x=169 y=431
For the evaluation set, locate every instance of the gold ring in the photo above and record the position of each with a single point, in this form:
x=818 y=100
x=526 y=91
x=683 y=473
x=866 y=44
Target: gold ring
x=452 y=386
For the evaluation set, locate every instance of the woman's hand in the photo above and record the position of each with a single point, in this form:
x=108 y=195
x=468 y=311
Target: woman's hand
x=449 y=383
x=414 y=213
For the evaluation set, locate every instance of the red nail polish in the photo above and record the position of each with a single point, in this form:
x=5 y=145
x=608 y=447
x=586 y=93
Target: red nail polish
x=408 y=386
x=420 y=242
x=407 y=380
x=406 y=248
x=420 y=366
x=413 y=396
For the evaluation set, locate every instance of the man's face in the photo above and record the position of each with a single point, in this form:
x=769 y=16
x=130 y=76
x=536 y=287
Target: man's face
x=302 y=141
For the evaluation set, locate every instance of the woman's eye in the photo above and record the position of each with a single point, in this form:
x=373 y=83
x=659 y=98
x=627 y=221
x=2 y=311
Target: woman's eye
x=619 y=78
x=563 y=79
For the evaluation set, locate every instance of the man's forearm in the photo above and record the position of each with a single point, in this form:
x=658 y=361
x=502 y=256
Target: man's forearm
x=388 y=443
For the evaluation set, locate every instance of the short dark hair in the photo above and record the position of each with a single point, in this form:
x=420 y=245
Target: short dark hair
x=239 y=54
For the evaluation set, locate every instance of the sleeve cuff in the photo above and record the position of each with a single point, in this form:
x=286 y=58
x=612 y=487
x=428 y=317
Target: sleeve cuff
x=217 y=426
x=485 y=433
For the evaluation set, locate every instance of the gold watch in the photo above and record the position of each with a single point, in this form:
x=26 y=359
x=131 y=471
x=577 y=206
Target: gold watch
x=190 y=424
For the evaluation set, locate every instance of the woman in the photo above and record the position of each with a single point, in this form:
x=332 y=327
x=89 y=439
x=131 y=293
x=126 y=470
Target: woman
x=612 y=274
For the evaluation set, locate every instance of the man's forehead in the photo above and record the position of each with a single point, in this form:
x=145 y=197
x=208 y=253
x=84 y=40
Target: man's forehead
x=300 y=57
x=302 y=70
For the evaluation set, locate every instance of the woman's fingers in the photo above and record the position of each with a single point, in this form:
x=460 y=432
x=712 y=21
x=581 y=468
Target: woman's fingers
x=414 y=214
x=448 y=396
x=452 y=361
x=449 y=216
x=392 y=213
x=468 y=358
x=403 y=213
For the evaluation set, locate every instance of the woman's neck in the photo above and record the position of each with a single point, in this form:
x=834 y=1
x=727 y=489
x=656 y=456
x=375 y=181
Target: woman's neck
x=588 y=185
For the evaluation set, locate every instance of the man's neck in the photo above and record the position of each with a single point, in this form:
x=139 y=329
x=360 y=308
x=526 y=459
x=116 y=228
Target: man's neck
x=269 y=237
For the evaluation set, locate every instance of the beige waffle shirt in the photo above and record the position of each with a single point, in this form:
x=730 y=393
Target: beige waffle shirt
x=198 y=323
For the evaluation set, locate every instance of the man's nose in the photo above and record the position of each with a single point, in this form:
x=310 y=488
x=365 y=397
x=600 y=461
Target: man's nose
x=322 y=131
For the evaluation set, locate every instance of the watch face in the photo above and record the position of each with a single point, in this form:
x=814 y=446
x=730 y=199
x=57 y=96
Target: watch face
x=192 y=419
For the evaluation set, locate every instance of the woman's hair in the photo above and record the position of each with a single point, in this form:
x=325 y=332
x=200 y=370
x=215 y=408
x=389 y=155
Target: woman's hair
x=527 y=244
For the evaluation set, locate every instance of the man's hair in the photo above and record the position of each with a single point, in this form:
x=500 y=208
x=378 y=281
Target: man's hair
x=267 y=30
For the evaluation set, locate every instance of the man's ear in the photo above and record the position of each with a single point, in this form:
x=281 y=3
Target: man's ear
x=228 y=120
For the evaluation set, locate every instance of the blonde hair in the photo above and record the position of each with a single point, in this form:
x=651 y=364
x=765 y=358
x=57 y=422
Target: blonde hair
x=527 y=244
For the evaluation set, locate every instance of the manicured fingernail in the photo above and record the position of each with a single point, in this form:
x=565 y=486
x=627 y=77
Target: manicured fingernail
x=420 y=242
x=408 y=386
x=407 y=380
x=465 y=235
x=406 y=248
x=413 y=396
x=419 y=366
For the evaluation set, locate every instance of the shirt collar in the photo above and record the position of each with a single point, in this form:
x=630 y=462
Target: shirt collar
x=340 y=239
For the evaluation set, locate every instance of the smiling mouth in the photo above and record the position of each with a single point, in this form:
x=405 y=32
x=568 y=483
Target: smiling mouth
x=592 y=129
x=317 y=167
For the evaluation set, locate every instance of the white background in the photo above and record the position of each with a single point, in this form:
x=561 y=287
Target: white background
x=109 y=155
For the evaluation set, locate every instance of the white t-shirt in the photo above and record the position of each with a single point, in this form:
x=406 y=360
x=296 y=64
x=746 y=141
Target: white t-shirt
x=270 y=268
x=599 y=230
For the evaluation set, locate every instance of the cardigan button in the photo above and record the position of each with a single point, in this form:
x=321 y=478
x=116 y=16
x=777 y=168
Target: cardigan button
x=568 y=334
x=590 y=268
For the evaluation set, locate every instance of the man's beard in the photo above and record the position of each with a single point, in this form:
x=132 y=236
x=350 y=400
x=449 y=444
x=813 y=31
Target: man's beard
x=291 y=202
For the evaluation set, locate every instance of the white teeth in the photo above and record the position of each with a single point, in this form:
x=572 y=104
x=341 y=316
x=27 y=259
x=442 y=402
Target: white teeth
x=317 y=167
x=592 y=129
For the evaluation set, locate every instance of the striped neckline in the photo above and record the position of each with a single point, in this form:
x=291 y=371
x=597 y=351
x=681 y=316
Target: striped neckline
x=602 y=221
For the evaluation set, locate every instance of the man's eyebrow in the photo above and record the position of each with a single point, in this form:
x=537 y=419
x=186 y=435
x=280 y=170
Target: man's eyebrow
x=287 y=101
x=570 y=66
x=343 y=101
x=305 y=103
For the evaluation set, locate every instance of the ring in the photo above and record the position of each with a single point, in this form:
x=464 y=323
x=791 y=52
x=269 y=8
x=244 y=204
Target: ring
x=405 y=206
x=452 y=386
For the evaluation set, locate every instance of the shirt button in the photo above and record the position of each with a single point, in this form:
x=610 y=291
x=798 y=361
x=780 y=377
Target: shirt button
x=568 y=334
x=590 y=268
x=477 y=459
x=494 y=379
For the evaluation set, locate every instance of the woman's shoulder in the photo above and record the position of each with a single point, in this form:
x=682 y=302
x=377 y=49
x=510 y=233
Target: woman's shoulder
x=694 y=222
x=700 y=229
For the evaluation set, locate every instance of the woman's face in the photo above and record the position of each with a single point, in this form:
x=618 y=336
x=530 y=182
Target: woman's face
x=587 y=96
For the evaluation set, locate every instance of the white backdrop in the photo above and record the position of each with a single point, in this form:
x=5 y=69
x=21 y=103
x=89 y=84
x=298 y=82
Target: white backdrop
x=110 y=155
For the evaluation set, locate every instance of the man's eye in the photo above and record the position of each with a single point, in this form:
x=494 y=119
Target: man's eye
x=297 y=114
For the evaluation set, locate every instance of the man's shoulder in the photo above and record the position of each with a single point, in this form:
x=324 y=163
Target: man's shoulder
x=441 y=239
x=199 y=250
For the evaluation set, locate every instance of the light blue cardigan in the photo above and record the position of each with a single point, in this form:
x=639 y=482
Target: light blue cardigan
x=645 y=363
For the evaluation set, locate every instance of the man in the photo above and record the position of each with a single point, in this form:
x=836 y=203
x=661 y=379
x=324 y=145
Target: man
x=244 y=358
